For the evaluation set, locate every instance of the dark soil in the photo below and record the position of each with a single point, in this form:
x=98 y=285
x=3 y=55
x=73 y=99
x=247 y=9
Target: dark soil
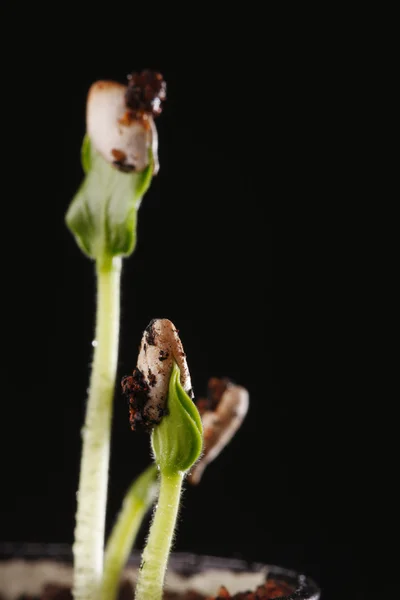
x=273 y=589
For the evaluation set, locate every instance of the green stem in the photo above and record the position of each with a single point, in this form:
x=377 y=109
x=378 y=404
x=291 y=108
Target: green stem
x=155 y=556
x=137 y=502
x=93 y=481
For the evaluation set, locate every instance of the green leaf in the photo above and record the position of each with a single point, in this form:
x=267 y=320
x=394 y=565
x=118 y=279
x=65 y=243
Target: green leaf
x=102 y=216
x=85 y=154
x=178 y=440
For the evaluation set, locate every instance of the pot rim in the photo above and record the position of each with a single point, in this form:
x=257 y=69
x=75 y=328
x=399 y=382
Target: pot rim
x=184 y=563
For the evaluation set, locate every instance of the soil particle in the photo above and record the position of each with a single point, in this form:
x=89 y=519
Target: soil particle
x=163 y=355
x=124 y=167
x=136 y=390
x=151 y=333
x=120 y=161
x=118 y=155
x=146 y=92
x=152 y=378
x=271 y=590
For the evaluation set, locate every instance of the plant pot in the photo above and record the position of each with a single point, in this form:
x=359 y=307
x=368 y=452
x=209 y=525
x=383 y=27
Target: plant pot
x=25 y=568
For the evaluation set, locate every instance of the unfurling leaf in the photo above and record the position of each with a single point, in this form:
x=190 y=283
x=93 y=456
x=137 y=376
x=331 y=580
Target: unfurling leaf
x=102 y=215
x=178 y=440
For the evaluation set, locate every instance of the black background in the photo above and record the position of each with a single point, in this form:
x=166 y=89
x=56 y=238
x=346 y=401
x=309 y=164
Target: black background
x=234 y=151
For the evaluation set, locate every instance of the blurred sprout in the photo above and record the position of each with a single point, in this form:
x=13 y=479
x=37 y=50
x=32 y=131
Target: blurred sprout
x=222 y=414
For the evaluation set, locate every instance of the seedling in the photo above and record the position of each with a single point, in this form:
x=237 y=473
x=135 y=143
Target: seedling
x=119 y=158
x=159 y=400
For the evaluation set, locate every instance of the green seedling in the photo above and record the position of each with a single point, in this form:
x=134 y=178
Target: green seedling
x=159 y=400
x=119 y=158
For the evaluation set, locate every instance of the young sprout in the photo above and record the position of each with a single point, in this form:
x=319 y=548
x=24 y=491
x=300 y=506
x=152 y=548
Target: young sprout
x=119 y=157
x=158 y=393
x=139 y=498
x=222 y=413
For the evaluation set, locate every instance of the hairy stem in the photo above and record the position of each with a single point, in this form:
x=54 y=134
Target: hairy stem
x=92 y=493
x=155 y=555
